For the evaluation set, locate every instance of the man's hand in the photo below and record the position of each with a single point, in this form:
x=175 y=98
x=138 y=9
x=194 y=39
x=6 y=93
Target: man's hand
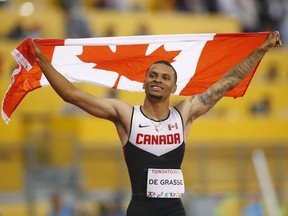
x=273 y=40
x=38 y=51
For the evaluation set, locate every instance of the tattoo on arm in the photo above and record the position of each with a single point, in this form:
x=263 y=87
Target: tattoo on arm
x=212 y=96
x=241 y=70
x=192 y=98
x=230 y=80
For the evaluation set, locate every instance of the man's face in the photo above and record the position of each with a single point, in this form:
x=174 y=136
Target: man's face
x=160 y=81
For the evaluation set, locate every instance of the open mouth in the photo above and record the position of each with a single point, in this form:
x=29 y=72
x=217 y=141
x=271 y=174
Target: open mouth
x=156 y=87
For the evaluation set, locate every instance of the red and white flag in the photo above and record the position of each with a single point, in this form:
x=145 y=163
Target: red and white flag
x=173 y=126
x=121 y=62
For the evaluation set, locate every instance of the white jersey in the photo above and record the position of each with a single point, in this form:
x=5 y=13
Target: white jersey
x=156 y=137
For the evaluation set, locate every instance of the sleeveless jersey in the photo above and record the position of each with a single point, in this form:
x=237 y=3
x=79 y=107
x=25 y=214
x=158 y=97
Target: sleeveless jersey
x=153 y=144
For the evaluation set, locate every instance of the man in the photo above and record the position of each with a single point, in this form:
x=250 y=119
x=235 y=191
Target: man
x=153 y=135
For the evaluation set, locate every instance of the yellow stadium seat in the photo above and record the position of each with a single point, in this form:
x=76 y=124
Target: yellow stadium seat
x=11 y=168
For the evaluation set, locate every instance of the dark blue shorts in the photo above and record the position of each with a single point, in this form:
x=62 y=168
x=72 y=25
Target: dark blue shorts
x=155 y=207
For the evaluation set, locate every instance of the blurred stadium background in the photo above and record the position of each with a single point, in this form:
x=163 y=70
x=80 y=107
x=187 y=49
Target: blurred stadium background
x=53 y=149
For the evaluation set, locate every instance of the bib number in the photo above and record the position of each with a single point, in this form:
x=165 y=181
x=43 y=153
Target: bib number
x=165 y=183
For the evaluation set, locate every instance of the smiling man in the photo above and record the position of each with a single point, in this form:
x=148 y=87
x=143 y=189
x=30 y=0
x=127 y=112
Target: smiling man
x=153 y=135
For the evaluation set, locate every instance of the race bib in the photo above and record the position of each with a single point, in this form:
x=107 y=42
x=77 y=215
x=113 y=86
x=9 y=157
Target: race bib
x=165 y=183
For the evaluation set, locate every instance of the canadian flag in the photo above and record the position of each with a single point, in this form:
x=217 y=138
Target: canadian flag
x=121 y=62
x=172 y=126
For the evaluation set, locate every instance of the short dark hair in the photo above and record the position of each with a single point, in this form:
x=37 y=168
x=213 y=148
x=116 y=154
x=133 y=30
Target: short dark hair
x=168 y=64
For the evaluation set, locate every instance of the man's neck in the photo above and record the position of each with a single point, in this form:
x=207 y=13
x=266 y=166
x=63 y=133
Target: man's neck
x=157 y=110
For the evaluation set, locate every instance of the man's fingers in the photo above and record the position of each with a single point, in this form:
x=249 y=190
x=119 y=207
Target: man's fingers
x=278 y=43
x=278 y=40
x=37 y=48
x=34 y=43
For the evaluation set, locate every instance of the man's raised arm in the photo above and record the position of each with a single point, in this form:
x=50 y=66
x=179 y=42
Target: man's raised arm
x=234 y=76
x=105 y=108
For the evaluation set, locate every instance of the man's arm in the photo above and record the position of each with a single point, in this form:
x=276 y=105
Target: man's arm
x=202 y=103
x=100 y=107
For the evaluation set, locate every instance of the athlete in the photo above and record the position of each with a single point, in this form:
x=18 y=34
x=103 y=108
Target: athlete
x=153 y=135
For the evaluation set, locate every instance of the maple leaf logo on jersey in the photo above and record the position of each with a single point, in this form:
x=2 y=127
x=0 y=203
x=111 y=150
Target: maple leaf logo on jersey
x=130 y=61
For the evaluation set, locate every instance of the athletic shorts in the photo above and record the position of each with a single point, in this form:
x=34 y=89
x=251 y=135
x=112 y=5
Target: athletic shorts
x=155 y=207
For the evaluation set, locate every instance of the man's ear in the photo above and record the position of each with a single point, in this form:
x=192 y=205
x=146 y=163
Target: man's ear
x=174 y=89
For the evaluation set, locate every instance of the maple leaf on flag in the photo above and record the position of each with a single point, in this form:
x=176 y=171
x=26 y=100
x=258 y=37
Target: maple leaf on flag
x=128 y=60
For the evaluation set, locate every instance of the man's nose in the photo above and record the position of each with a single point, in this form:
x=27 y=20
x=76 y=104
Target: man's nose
x=158 y=79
